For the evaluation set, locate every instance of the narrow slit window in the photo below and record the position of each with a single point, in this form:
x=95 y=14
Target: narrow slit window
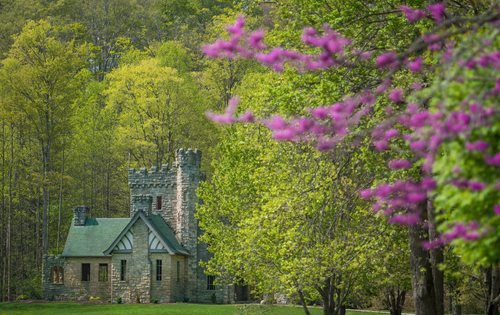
x=103 y=272
x=158 y=202
x=210 y=282
x=178 y=271
x=158 y=269
x=85 y=272
x=123 y=270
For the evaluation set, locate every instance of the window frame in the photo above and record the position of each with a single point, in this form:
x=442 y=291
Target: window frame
x=57 y=275
x=103 y=273
x=210 y=282
x=159 y=269
x=159 y=202
x=123 y=270
x=86 y=272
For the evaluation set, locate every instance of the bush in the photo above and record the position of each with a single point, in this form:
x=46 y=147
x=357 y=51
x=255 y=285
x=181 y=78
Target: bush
x=22 y=297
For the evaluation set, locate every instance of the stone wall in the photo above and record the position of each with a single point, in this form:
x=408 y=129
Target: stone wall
x=73 y=288
x=178 y=282
x=177 y=186
x=188 y=177
x=161 y=290
x=136 y=286
x=155 y=182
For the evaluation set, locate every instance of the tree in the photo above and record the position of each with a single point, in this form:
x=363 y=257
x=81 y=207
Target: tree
x=404 y=202
x=269 y=210
x=156 y=108
x=42 y=76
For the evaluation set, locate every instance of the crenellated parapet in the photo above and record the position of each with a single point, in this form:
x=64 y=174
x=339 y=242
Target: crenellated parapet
x=188 y=157
x=154 y=177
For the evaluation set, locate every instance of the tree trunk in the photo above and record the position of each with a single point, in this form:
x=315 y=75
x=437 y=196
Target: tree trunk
x=493 y=282
x=9 y=218
x=395 y=300
x=303 y=301
x=437 y=258
x=422 y=280
x=59 y=212
x=3 y=283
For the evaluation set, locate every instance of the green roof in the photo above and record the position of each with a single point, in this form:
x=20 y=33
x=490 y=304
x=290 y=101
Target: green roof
x=93 y=238
x=156 y=224
x=166 y=233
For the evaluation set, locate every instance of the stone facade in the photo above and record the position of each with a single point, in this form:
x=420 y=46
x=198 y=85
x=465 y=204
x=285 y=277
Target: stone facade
x=146 y=263
x=72 y=286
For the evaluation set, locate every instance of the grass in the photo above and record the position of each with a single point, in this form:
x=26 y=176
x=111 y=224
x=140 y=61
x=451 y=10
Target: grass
x=55 y=308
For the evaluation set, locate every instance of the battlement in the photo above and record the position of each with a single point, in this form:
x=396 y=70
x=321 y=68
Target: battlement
x=165 y=176
x=188 y=157
x=143 y=178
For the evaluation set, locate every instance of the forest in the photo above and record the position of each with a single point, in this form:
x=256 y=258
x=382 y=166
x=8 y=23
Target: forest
x=353 y=165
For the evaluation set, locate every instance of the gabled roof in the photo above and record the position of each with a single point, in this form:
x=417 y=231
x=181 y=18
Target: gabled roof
x=93 y=238
x=166 y=234
x=158 y=227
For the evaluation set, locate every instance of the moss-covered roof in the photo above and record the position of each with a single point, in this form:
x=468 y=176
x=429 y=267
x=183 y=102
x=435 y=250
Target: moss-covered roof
x=93 y=238
x=98 y=237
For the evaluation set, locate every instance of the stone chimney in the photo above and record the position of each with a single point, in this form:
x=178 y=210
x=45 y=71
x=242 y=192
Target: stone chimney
x=80 y=214
x=142 y=203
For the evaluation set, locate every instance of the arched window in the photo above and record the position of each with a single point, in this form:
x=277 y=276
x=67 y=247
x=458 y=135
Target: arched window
x=57 y=275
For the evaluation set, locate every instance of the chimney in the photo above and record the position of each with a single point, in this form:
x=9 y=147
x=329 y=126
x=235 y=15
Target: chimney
x=80 y=214
x=142 y=203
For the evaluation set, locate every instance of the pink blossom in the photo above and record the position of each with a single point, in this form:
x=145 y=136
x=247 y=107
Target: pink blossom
x=417 y=86
x=302 y=124
x=415 y=65
x=437 y=11
x=428 y=183
x=381 y=145
x=366 y=193
x=276 y=123
x=271 y=58
x=319 y=113
x=399 y=164
x=221 y=119
x=412 y=15
x=496 y=209
x=284 y=134
x=237 y=27
x=325 y=144
x=418 y=145
x=396 y=95
x=247 y=117
x=477 y=146
x=416 y=197
x=408 y=219
x=228 y=116
x=475 y=108
x=476 y=186
x=493 y=160
x=255 y=39
x=383 y=86
x=386 y=59
x=391 y=133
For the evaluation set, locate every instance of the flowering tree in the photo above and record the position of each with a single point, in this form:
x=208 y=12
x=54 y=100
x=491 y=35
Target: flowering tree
x=446 y=130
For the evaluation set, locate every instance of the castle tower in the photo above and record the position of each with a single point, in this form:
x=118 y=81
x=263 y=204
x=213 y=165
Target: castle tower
x=171 y=193
x=154 y=192
x=187 y=163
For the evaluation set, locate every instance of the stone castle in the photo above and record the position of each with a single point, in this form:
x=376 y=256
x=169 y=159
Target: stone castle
x=152 y=256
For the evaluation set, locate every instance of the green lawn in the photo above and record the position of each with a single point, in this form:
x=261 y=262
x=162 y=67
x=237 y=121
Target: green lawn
x=156 y=309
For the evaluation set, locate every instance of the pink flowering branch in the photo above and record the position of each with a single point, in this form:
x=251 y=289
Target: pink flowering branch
x=424 y=131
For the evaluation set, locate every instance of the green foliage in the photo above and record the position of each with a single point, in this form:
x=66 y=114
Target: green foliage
x=458 y=205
